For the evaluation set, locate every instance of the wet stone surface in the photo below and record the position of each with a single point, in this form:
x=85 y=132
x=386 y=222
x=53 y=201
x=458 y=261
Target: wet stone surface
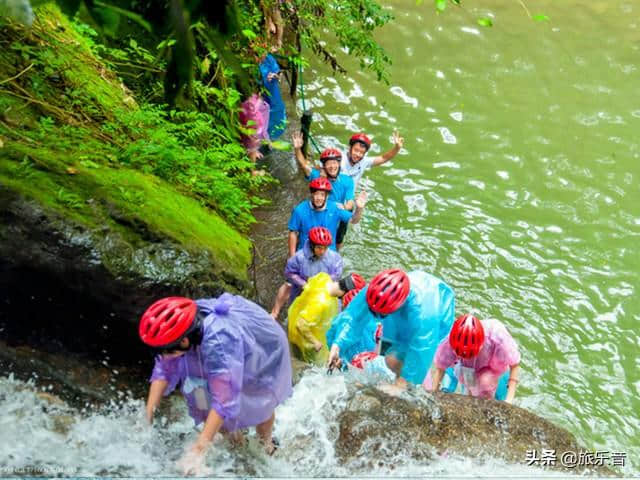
x=419 y=425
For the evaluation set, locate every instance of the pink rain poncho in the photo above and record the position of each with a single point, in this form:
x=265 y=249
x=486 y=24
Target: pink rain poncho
x=255 y=111
x=242 y=368
x=480 y=375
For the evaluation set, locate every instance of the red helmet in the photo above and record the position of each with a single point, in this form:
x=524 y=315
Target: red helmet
x=387 y=291
x=320 y=183
x=466 y=336
x=167 y=321
x=347 y=297
x=330 y=154
x=360 y=359
x=320 y=236
x=360 y=138
x=358 y=281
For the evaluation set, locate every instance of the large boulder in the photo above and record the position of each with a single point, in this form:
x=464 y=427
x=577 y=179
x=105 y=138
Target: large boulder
x=376 y=427
x=65 y=284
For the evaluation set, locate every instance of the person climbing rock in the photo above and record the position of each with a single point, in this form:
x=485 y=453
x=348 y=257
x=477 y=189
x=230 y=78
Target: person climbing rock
x=485 y=355
x=311 y=313
x=416 y=311
x=229 y=357
x=313 y=258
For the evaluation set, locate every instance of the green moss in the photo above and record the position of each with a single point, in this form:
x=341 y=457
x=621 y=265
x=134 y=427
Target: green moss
x=135 y=205
x=75 y=141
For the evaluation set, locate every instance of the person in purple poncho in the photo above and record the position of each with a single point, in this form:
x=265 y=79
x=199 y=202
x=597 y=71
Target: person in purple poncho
x=313 y=258
x=231 y=359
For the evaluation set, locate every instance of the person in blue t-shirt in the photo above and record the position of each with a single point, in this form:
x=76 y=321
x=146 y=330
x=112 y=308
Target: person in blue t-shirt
x=318 y=211
x=343 y=187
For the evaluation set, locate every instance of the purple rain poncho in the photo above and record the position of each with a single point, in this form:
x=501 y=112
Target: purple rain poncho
x=242 y=368
x=303 y=265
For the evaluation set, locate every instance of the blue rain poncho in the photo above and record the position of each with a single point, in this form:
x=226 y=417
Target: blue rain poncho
x=414 y=330
x=242 y=368
x=277 y=113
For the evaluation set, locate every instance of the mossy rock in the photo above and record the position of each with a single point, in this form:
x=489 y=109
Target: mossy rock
x=86 y=243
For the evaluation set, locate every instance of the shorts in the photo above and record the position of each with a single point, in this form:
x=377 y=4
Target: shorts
x=342 y=231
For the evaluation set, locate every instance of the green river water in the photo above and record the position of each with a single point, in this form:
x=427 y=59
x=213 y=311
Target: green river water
x=518 y=185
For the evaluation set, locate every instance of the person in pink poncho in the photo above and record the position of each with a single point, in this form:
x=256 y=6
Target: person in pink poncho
x=231 y=360
x=482 y=352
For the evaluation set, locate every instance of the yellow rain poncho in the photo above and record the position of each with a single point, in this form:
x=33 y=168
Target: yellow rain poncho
x=310 y=317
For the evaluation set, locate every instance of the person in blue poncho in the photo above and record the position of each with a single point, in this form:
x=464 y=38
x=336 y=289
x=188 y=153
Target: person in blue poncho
x=416 y=311
x=270 y=73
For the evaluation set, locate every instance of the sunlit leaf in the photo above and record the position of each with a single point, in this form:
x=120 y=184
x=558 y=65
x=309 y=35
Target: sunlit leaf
x=485 y=22
x=281 y=145
x=250 y=34
x=441 y=5
x=205 y=65
x=540 y=17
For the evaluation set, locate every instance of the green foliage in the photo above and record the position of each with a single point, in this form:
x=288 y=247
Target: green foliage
x=441 y=5
x=352 y=24
x=70 y=199
x=80 y=108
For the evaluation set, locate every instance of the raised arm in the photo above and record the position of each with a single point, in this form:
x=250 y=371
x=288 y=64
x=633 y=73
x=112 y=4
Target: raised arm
x=303 y=163
x=398 y=142
x=361 y=201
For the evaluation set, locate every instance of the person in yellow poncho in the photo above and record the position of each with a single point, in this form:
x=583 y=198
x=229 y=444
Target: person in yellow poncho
x=311 y=313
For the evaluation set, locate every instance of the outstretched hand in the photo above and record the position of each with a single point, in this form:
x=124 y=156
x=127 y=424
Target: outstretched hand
x=390 y=389
x=361 y=201
x=297 y=139
x=334 y=358
x=397 y=140
x=193 y=461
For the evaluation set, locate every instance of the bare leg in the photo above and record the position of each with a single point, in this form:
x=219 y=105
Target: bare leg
x=264 y=431
x=281 y=298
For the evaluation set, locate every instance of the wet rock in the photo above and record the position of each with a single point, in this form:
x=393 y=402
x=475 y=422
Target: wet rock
x=65 y=287
x=298 y=367
x=70 y=378
x=418 y=425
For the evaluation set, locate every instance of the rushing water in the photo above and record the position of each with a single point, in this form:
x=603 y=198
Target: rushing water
x=518 y=185
x=45 y=438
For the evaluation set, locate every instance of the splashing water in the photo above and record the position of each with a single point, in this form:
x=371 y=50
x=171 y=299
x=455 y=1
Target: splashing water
x=44 y=436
